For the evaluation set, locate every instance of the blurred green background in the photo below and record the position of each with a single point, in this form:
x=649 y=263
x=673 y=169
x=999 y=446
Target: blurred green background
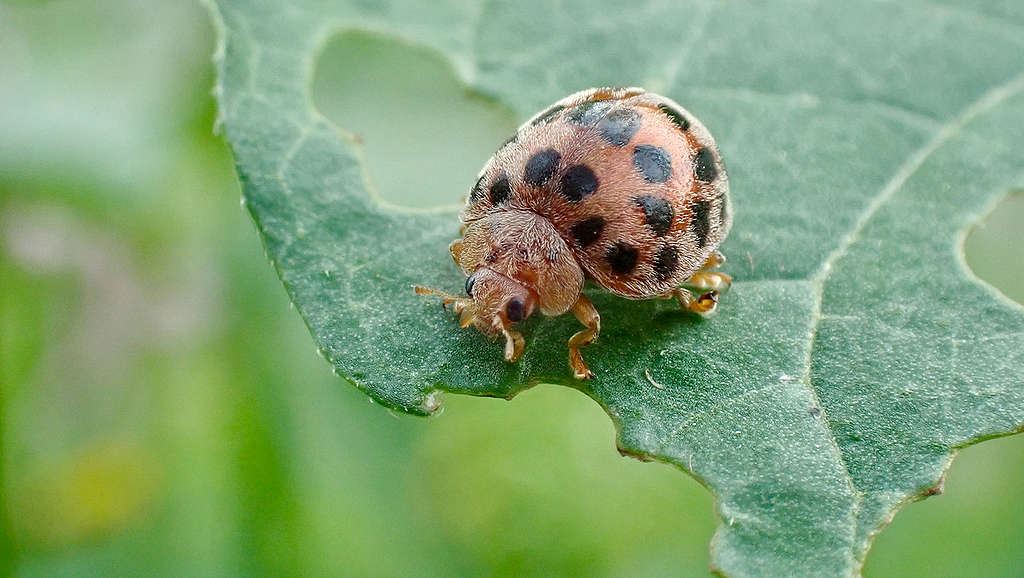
x=163 y=410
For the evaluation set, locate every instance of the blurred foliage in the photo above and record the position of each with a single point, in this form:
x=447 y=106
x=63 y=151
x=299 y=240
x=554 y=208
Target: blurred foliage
x=162 y=411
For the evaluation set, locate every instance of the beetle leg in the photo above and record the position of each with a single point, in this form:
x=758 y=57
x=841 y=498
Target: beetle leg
x=707 y=284
x=705 y=281
x=716 y=259
x=587 y=315
x=514 y=344
x=704 y=305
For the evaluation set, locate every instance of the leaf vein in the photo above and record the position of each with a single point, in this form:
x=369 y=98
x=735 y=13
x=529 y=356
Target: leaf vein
x=719 y=405
x=986 y=101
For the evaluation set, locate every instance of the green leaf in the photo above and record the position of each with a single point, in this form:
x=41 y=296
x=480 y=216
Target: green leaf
x=856 y=353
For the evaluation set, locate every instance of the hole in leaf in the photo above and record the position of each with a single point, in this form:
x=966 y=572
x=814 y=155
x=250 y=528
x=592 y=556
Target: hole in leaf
x=995 y=245
x=425 y=135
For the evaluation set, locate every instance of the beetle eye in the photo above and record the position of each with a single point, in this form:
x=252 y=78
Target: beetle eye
x=514 y=309
x=469 y=284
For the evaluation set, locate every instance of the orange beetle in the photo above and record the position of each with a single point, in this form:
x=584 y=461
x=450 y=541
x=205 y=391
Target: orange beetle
x=617 y=185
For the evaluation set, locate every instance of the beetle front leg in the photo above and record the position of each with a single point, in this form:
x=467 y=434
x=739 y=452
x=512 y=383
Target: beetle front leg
x=514 y=344
x=587 y=315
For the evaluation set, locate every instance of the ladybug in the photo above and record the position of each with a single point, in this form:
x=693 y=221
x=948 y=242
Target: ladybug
x=617 y=185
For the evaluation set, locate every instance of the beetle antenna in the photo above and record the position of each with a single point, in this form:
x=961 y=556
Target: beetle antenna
x=446 y=298
x=425 y=291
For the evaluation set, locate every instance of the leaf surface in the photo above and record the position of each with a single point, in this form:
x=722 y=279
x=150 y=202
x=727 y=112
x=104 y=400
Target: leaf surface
x=856 y=352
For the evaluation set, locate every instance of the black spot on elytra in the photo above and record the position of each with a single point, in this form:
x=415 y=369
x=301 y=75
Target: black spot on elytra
x=666 y=261
x=657 y=212
x=547 y=114
x=578 y=182
x=588 y=113
x=588 y=230
x=622 y=257
x=500 y=190
x=723 y=208
x=704 y=165
x=700 y=224
x=675 y=116
x=541 y=166
x=653 y=163
x=619 y=125
x=477 y=192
